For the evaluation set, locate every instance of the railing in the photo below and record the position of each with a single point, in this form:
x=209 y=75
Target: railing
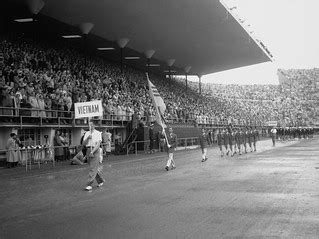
x=209 y=121
x=181 y=142
x=22 y=116
x=37 y=154
x=33 y=154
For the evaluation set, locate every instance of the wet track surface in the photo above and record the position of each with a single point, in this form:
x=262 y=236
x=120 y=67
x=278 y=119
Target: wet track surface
x=271 y=193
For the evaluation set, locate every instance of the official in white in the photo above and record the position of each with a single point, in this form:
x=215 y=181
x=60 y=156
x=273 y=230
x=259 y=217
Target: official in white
x=92 y=141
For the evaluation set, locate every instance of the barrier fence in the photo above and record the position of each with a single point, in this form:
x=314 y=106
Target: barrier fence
x=37 y=155
x=22 y=116
x=144 y=146
x=40 y=117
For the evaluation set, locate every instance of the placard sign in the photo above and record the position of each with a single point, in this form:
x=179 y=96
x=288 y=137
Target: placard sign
x=88 y=109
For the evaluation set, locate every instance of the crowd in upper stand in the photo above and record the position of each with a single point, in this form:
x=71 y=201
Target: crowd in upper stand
x=41 y=76
x=295 y=98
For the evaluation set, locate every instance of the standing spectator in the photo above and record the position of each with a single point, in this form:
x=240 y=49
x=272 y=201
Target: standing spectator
x=41 y=104
x=66 y=142
x=8 y=103
x=13 y=153
x=58 y=150
x=106 y=140
x=34 y=105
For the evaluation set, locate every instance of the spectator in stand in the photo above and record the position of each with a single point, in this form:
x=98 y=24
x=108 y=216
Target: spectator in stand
x=41 y=105
x=34 y=105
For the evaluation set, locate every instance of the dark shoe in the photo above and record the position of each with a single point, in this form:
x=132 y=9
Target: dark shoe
x=173 y=167
x=166 y=168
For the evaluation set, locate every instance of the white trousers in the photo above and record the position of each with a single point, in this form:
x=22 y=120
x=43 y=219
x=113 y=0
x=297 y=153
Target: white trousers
x=170 y=161
x=204 y=153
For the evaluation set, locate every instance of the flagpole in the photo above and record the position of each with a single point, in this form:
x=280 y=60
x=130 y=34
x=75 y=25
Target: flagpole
x=157 y=111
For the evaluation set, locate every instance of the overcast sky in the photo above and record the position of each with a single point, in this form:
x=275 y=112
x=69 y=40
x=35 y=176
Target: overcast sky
x=289 y=28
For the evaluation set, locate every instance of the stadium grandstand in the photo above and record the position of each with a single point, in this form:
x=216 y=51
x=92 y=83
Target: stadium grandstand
x=52 y=58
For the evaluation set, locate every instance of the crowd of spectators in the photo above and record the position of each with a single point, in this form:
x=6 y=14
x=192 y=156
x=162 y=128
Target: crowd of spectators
x=48 y=79
x=293 y=101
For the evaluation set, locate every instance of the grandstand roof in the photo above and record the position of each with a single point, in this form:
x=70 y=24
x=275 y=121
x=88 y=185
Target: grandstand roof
x=201 y=34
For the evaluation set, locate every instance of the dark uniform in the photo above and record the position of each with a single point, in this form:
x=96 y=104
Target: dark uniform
x=226 y=142
x=237 y=141
x=232 y=143
x=241 y=141
x=170 y=147
x=250 y=139
x=255 y=138
x=246 y=138
x=220 y=142
x=204 y=140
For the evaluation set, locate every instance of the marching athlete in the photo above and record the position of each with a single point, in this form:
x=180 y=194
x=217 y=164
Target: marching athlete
x=232 y=143
x=250 y=138
x=255 y=138
x=241 y=141
x=226 y=141
x=246 y=138
x=273 y=136
x=220 y=141
x=171 y=145
x=204 y=140
x=237 y=145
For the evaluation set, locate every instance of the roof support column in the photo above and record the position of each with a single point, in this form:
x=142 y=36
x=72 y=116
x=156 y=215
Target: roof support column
x=187 y=69
x=121 y=59
x=170 y=63
x=186 y=82
x=149 y=55
x=122 y=43
x=200 y=84
x=85 y=28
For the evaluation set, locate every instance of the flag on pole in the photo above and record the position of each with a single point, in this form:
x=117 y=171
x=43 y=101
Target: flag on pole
x=158 y=103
